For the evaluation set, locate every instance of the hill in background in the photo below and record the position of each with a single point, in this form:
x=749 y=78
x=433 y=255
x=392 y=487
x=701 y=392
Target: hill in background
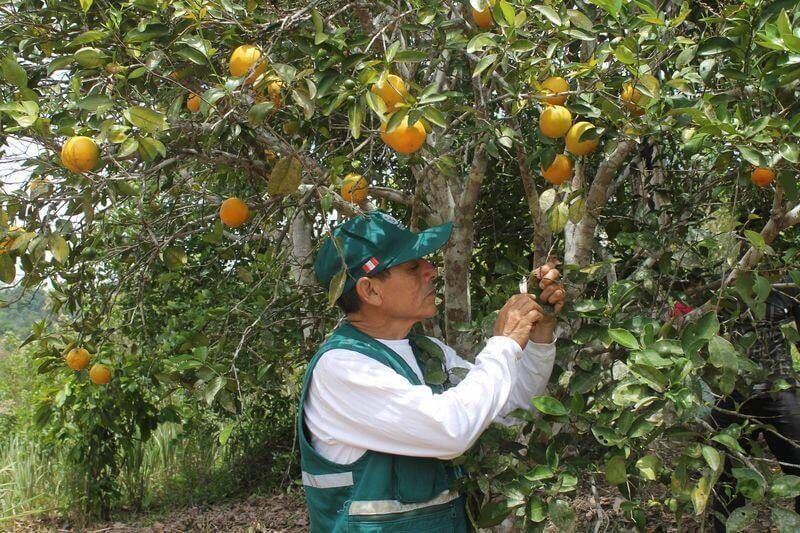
x=23 y=312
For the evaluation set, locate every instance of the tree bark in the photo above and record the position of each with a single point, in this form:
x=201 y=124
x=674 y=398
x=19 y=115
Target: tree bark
x=542 y=236
x=457 y=255
x=596 y=199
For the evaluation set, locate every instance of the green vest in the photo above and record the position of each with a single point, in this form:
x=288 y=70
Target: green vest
x=378 y=492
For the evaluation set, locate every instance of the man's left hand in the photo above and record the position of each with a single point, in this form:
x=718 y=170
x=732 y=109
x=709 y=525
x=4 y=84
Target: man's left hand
x=552 y=292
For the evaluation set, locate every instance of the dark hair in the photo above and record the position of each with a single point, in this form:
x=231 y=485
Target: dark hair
x=349 y=302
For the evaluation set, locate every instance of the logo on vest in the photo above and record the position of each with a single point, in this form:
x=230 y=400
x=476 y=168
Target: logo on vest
x=390 y=219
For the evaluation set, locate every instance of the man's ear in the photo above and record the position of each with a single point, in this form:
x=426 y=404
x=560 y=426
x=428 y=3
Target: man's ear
x=365 y=288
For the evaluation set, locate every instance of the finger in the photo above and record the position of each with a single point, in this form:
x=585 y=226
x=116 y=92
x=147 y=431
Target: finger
x=558 y=296
x=541 y=271
x=547 y=293
x=557 y=307
x=549 y=278
x=536 y=316
x=536 y=307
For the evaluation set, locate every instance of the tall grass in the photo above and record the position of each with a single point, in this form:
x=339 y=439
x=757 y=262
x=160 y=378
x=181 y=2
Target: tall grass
x=31 y=481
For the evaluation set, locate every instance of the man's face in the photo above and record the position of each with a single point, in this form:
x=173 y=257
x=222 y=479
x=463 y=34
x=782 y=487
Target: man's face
x=409 y=291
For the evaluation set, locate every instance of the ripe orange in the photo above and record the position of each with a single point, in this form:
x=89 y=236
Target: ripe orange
x=574 y=143
x=555 y=85
x=555 y=121
x=404 y=138
x=630 y=98
x=99 y=374
x=559 y=171
x=243 y=59
x=392 y=92
x=355 y=188
x=762 y=176
x=234 y=212
x=193 y=103
x=78 y=359
x=80 y=154
x=483 y=19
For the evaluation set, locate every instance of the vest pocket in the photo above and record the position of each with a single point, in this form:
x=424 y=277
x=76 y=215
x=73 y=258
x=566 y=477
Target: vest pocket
x=418 y=479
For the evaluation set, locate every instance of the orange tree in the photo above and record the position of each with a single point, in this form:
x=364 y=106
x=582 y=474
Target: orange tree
x=621 y=137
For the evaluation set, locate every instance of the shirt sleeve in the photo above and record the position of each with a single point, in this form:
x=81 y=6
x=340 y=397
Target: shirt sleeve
x=536 y=365
x=364 y=403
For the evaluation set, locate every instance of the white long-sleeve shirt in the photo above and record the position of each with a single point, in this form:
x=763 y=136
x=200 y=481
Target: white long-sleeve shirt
x=355 y=403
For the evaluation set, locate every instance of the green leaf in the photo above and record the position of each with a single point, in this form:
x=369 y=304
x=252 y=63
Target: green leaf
x=755 y=239
x=558 y=217
x=616 y=470
x=536 y=509
x=8 y=270
x=649 y=467
x=624 y=338
x=174 y=257
x=715 y=45
x=700 y=494
x=129 y=146
x=625 y=55
x=89 y=36
x=435 y=116
x=751 y=156
x=483 y=64
x=651 y=376
x=412 y=56
x=787 y=486
x=749 y=483
x=305 y=102
x=89 y=57
x=562 y=514
x=59 y=247
x=707 y=326
x=148 y=120
x=95 y=103
x=285 y=177
x=548 y=12
x=13 y=72
x=728 y=441
x=225 y=434
x=740 y=519
x=549 y=406
x=612 y=7
x=355 y=117
x=785 y=520
x=150 y=148
x=713 y=458
x=493 y=513
x=258 y=112
x=789 y=151
x=546 y=200
x=722 y=354
x=479 y=42
x=336 y=287
x=85 y=4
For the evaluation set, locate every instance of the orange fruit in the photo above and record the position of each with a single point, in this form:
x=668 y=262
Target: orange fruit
x=234 y=212
x=573 y=139
x=555 y=85
x=555 y=121
x=80 y=154
x=99 y=374
x=630 y=98
x=78 y=359
x=404 y=138
x=193 y=103
x=559 y=171
x=393 y=91
x=243 y=59
x=762 y=176
x=483 y=19
x=354 y=188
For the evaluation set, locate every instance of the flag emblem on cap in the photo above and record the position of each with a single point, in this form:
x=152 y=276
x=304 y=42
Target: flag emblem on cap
x=370 y=265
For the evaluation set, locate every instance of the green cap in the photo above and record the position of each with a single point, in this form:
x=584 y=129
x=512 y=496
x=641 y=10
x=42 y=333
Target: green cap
x=371 y=243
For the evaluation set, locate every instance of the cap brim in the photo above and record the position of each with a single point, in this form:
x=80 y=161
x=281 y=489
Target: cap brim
x=424 y=243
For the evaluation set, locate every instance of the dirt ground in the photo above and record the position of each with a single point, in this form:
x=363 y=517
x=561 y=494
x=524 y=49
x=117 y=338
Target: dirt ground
x=256 y=514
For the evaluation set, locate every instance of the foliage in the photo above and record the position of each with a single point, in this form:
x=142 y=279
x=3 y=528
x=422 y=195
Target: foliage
x=212 y=325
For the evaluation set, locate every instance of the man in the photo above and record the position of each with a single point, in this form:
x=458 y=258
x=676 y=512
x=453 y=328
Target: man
x=375 y=439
